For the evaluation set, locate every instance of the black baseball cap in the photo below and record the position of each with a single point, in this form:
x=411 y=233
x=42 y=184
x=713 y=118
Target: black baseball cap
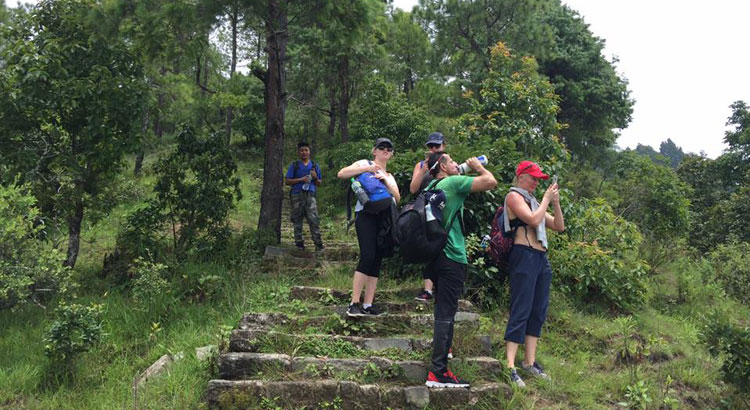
x=434 y=138
x=383 y=142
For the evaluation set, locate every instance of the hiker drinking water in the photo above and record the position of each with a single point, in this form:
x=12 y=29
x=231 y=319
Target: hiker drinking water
x=381 y=195
x=304 y=176
x=529 y=271
x=420 y=178
x=449 y=268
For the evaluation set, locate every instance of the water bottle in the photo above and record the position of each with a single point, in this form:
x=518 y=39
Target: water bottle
x=359 y=192
x=306 y=185
x=464 y=168
x=428 y=213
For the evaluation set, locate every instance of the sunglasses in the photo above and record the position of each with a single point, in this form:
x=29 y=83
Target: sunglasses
x=434 y=145
x=383 y=148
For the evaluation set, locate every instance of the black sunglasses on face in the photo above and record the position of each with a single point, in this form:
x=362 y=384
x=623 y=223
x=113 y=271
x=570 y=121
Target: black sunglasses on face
x=434 y=145
x=383 y=148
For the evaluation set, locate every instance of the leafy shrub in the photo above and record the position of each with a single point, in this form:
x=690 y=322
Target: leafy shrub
x=28 y=270
x=733 y=344
x=596 y=262
x=731 y=264
x=75 y=330
x=196 y=187
x=149 y=283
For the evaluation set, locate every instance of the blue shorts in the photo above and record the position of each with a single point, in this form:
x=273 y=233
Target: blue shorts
x=529 y=277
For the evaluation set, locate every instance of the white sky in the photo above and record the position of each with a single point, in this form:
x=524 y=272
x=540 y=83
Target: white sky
x=683 y=59
x=684 y=62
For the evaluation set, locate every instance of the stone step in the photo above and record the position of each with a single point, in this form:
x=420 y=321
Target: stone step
x=249 y=394
x=236 y=366
x=393 y=296
x=251 y=340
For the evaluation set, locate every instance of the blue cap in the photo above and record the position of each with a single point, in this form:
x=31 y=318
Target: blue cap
x=435 y=138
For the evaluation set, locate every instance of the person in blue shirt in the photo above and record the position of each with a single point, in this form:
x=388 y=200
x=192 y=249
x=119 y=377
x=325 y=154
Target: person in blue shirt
x=304 y=176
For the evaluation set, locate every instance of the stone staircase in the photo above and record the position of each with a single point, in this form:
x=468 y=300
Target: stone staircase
x=315 y=360
x=313 y=356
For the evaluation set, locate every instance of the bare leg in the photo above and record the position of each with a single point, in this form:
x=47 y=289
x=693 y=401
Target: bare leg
x=510 y=353
x=529 y=355
x=372 y=283
x=428 y=284
x=357 y=284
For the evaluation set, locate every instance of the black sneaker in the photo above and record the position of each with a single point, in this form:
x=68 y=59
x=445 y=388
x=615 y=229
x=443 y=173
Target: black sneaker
x=300 y=245
x=425 y=296
x=535 y=370
x=446 y=379
x=516 y=379
x=356 y=310
x=373 y=311
x=319 y=248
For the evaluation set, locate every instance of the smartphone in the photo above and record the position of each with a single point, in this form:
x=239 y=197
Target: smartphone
x=554 y=179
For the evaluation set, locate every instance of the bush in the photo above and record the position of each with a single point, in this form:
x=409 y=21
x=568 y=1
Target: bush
x=75 y=330
x=29 y=271
x=733 y=344
x=149 y=283
x=731 y=265
x=196 y=187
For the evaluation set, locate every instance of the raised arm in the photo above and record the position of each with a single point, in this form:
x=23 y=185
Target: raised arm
x=354 y=170
x=417 y=176
x=485 y=181
x=557 y=222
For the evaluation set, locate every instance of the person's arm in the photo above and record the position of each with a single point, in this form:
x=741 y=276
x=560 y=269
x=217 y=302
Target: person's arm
x=288 y=180
x=355 y=169
x=557 y=222
x=521 y=209
x=485 y=181
x=392 y=186
x=317 y=180
x=417 y=176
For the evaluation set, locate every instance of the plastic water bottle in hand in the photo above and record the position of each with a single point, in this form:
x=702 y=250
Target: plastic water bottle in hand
x=464 y=168
x=306 y=185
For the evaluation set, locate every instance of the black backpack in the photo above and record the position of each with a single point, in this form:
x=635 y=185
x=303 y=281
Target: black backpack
x=420 y=241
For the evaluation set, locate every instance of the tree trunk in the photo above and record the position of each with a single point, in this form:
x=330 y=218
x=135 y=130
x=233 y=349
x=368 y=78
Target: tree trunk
x=275 y=99
x=233 y=17
x=74 y=234
x=345 y=96
x=141 y=153
x=332 y=115
x=158 y=129
x=408 y=82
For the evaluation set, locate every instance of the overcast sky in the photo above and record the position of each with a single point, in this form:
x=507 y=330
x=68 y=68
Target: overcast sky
x=684 y=60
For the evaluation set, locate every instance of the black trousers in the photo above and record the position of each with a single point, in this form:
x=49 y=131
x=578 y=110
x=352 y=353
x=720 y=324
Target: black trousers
x=449 y=277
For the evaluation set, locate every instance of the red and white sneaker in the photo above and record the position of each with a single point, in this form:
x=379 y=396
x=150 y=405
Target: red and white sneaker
x=446 y=379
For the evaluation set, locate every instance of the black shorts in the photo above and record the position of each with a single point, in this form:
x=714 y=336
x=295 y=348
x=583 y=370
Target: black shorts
x=370 y=256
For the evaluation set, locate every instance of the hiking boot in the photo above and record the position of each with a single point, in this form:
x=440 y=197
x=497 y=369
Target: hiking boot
x=373 y=311
x=446 y=379
x=425 y=296
x=516 y=379
x=450 y=353
x=356 y=310
x=535 y=370
x=319 y=247
x=300 y=245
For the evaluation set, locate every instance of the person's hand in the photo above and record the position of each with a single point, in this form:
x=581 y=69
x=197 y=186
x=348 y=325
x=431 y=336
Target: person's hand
x=556 y=194
x=374 y=168
x=379 y=174
x=474 y=163
x=314 y=174
x=308 y=178
x=551 y=192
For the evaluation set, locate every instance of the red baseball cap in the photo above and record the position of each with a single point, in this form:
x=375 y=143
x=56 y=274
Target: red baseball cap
x=531 y=168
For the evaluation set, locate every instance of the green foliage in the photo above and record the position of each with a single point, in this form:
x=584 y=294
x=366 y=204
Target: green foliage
x=29 y=271
x=596 y=262
x=731 y=266
x=637 y=395
x=594 y=99
x=71 y=97
x=732 y=343
x=196 y=188
x=383 y=112
x=150 y=282
x=75 y=330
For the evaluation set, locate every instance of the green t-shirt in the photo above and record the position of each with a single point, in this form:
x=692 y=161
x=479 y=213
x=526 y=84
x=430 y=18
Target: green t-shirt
x=456 y=189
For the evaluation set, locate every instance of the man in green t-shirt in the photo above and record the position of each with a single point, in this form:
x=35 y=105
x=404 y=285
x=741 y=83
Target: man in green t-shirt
x=449 y=269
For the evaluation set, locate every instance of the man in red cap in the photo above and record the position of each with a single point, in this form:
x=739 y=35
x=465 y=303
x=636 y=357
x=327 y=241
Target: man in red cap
x=529 y=271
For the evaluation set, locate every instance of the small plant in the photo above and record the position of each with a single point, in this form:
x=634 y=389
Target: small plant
x=155 y=330
x=299 y=307
x=338 y=325
x=149 y=283
x=667 y=400
x=732 y=344
x=75 y=330
x=336 y=404
x=328 y=299
x=637 y=396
